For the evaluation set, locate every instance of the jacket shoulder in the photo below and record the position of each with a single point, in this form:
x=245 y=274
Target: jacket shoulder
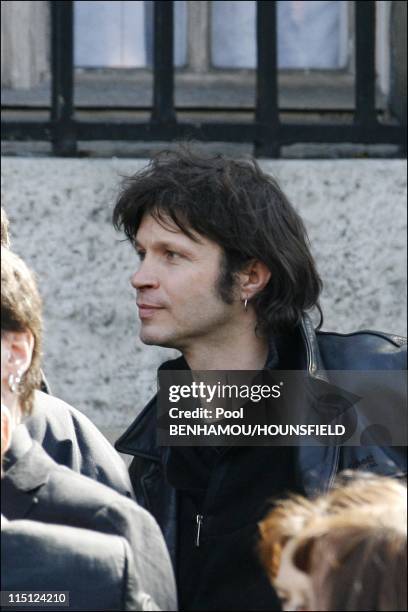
x=94 y=567
x=71 y=439
x=365 y=349
x=97 y=507
x=84 y=495
x=140 y=437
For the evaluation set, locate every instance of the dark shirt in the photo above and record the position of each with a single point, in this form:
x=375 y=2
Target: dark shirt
x=226 y=555
x=218 y=533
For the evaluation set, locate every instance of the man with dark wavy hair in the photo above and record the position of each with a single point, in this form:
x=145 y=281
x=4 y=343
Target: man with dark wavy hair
x=226 y=276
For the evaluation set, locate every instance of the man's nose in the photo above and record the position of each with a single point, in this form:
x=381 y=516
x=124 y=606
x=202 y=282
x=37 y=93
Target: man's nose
x=144 y=278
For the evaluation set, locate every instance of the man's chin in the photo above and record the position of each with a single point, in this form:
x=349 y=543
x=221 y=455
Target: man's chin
x=150 y=341
x=152 y=338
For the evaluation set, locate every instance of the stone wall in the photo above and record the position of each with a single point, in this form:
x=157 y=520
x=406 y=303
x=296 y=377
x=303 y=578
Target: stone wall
x=60 y=213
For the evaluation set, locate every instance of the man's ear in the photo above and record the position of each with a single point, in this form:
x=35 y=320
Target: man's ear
x=253 y=279
x=20 y=346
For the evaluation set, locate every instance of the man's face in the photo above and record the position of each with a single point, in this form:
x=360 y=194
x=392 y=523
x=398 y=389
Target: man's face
x=176 y=285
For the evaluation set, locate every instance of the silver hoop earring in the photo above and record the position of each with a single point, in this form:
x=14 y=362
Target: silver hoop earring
x=246 y=304
x=13 y=382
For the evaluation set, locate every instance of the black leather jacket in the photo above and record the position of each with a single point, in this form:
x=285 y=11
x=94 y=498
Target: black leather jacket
x=316 y=466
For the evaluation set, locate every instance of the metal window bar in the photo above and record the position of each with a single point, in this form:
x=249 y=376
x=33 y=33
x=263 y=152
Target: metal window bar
x=62 y=86
x=365 y=114
x=163 y=66
x=267 y=111
x=267 y=132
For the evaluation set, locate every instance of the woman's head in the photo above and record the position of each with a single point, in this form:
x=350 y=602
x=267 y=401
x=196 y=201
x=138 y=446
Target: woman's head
x=283 y=523
x=381 y=496
x=352 y=561
x=21 y=333
x=361 y=504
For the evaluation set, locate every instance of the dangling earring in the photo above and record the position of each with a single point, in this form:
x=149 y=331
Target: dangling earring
x=14 y=381
x=246 y=304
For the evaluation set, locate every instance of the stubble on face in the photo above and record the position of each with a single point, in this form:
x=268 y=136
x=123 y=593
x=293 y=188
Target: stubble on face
x=183 y=277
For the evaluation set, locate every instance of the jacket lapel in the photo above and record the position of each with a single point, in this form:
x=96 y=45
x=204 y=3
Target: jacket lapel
x=315 y=466
x=140 y=437
x=314 y=362
x=23 y=480
x=16 y=504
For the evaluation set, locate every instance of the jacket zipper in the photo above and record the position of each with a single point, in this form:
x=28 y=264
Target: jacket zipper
x=199 y=521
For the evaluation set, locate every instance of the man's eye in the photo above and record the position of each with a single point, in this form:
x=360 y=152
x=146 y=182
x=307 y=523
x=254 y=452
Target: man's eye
x=172 y=255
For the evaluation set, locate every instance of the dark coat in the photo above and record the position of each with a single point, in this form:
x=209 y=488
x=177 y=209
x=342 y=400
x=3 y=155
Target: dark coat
x=71 y=439
x=96 y=569
x=241 y=474
x=37 y=488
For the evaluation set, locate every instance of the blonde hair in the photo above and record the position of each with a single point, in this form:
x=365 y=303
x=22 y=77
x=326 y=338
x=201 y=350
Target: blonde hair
x=383 y=497
x=355 y=561
x=284 y=522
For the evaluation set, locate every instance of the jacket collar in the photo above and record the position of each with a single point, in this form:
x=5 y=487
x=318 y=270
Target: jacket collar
x=140 y=437
x=314 y=364
x=21 y=443
x=29 y=464
x=29 y=469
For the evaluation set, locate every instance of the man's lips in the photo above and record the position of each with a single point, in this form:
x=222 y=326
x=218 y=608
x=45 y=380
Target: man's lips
x=147 y=310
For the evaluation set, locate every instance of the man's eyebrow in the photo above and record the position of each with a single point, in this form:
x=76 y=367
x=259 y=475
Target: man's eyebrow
x=165 y=244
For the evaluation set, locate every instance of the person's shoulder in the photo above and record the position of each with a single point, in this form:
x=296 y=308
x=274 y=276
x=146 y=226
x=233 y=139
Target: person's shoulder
x=71 y=438
x=96 y=568
x=365 y=335
x=98 y=506
x=51 y=413
x=54 y=408
x=45 y=534
x=364 y=349
x=87 y=494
